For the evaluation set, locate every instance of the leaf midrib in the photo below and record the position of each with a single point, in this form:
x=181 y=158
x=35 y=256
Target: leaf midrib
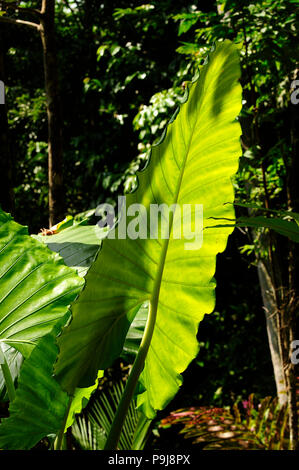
x=165 y=242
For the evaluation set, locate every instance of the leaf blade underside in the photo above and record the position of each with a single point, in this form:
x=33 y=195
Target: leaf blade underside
x=193 y=164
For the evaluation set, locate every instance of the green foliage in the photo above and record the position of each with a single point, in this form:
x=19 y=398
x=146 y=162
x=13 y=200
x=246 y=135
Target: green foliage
x=38 y=287
x=88 y=435
x=152 y=119
x=120 y=65
x=123 y=68
x=267 y=32
x=278 y=224
x=77 y=244
x=283 y=227
x=221 y=118
x=27 y=124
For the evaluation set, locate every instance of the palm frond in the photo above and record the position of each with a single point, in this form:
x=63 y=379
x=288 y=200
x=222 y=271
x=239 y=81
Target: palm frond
x=91 y=431
x=88 y=435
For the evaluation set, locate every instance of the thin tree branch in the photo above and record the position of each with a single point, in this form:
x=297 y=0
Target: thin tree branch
x=14 y=21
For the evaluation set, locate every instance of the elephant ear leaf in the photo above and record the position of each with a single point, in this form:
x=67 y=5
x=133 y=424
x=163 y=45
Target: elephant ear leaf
x=36 y=287
x=193 y=164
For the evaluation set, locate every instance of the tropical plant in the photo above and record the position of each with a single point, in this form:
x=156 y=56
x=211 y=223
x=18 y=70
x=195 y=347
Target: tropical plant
x=250 y=425
x=120 y=68
x=180 y=172
x=37 y=288
x=132 y=275
x=268 y=170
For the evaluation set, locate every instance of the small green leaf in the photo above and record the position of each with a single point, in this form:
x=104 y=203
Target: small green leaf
x=77 y=244
x=283 y=227
x=80 y=400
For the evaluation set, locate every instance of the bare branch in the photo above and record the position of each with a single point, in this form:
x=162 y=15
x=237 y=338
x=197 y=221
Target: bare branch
x=14 y=21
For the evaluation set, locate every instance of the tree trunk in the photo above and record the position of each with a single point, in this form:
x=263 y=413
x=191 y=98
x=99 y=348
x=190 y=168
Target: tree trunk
x=55 y=158
x=270 y=307
x=293 y=272
x=6 y=164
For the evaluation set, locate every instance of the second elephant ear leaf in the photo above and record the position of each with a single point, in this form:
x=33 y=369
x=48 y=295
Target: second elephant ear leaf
x=193 y=164
x=77 y=244
x=36 y=287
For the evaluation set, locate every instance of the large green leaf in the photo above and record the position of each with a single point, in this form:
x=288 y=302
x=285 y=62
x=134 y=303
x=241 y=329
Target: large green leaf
x=193 y=164
x=36 y=287
x=78 y=245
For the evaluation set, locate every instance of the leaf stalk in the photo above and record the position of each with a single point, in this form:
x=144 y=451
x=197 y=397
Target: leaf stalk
x=59 y=439
x=122 y=410
x=7 y=376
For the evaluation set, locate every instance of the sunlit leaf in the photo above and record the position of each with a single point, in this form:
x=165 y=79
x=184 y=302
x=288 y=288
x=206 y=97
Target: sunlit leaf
x=193 y=164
